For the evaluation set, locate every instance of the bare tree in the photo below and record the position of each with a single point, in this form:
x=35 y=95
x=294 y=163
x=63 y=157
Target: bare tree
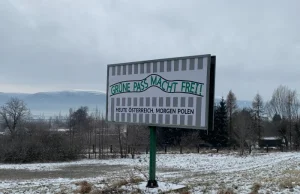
x=120 y=131
x=137 y=136
x=191 y=139
x=231 y=109
x=243 y=129
x=296 y=138
x=80 y=125
x=71 y=126
x=12 y=113
x=284 y=103
x=258 y=110
x=282 y=128
x=103 y=127
x=278 y=103
x=292 y=111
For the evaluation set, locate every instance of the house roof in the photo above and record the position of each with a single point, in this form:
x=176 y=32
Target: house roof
x=271 y=138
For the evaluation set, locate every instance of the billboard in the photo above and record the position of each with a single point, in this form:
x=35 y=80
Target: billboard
x=171 y=92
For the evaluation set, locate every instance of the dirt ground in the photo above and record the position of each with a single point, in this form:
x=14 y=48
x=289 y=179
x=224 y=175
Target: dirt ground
x=74 y=171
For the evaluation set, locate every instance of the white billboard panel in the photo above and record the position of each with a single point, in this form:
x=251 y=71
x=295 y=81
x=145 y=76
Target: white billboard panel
x=170 y=92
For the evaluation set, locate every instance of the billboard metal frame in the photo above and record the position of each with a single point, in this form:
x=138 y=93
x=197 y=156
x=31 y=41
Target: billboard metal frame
x=210 y=90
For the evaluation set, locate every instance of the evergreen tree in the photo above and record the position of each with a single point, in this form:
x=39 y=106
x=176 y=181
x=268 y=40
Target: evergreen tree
x=231 y=105
x=258 y=111
x=220 y=133
x=276 y=118
x=171 y=136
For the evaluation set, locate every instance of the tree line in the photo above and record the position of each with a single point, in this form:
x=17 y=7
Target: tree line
x=245 y=127
x=62 y=138
x=87 y=134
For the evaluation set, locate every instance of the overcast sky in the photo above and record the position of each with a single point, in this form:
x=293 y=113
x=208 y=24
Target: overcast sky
x=48 y=45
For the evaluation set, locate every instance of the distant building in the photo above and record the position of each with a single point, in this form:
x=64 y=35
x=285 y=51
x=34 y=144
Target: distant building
x=4 y=131
x=1 y=129
x=60 y=130
x=271 y=142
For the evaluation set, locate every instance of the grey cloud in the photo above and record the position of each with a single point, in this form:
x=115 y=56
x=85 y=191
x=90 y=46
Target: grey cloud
x=63 y=44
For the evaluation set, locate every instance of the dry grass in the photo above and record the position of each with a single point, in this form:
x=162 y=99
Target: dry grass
x=226 y=191
x=108 y=191
x=206 y=187
x=120 y=183
x=255 y=188
x=293 y=172
x=135 y=180
x=117 y=187
x=85 y=187
x=140 y=171
x=286 y=183
x=291 y=179
x=184 y=191
x=113 y=188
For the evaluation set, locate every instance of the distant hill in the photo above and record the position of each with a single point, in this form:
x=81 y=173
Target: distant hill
x=54 y=103
x=240 y=103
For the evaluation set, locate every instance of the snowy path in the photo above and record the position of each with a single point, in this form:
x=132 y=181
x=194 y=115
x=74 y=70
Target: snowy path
x=202 y=172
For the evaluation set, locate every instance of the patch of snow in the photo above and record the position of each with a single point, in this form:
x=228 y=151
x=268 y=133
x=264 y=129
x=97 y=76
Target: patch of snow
x=194 y=162
x=162 y=187
x=201 y=172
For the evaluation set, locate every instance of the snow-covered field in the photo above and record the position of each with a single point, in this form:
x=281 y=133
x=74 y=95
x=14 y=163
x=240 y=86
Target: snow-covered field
x=275 y=172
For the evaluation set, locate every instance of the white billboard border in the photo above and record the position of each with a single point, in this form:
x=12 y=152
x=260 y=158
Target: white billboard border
x=207 y=98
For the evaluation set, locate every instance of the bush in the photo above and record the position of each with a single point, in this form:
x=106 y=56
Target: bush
x=85 y=187
x=41 y=146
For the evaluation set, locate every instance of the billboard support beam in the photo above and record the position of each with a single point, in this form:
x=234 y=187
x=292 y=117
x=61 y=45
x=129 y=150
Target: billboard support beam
x=211 y=94
x=152 y=183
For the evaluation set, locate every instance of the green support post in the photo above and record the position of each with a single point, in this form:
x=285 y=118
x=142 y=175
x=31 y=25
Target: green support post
x=152 y=183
